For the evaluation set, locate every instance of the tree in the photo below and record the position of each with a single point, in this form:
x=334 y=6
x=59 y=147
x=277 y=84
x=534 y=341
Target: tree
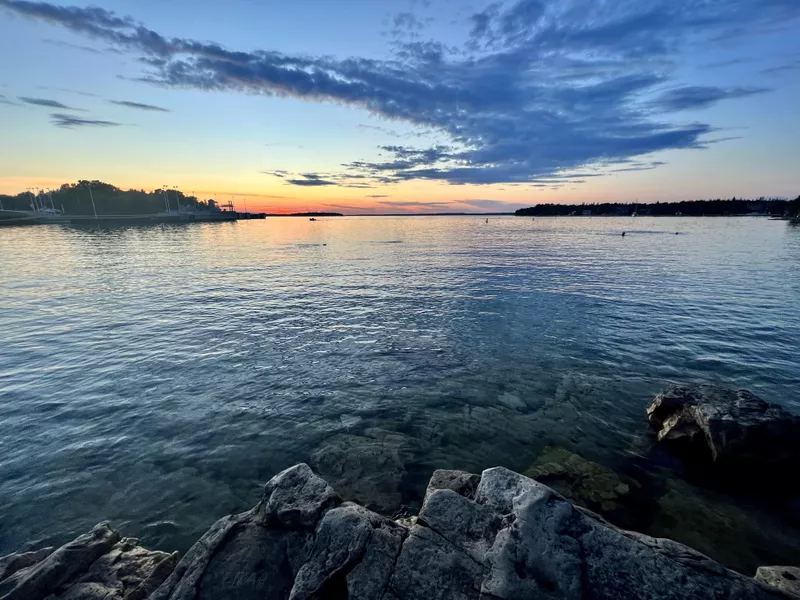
x=794 y=208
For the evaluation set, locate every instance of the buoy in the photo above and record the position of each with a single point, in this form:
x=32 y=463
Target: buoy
x=623 y=234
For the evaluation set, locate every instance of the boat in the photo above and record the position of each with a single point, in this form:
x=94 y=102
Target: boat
x=312 y=219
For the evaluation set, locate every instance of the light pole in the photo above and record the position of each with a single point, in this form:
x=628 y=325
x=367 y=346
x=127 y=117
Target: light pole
x=177 y=199
x=166 y=197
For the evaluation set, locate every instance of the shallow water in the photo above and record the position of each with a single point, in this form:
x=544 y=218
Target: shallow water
x=157 y=377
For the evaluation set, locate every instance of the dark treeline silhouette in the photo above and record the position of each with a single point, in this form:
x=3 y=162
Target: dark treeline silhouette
x=794 y=208
x=694 y=208
x=74 y=199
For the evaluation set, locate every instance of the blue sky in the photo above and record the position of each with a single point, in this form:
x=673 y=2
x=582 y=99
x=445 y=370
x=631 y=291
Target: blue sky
x=404 y=106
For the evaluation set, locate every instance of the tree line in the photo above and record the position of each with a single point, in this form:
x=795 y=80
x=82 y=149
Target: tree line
x=76 y=199
x=719 y=207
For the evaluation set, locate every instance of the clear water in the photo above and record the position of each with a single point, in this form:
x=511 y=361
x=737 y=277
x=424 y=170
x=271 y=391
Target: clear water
x=158 y=376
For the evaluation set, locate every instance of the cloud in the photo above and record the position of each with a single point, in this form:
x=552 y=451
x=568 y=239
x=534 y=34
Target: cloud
x=378 y=196
x=310 y=179
x=700 y=96
x=414 y=203
x=47 y=103
x=70 y=122
x=492 y=205
x=139 y=105
x=408 y=21
x=88 y=49
x=541 y=88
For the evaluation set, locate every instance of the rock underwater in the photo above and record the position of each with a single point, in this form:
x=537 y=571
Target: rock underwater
x=497 y=535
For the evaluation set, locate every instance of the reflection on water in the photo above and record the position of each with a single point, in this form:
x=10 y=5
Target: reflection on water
x=158 y=376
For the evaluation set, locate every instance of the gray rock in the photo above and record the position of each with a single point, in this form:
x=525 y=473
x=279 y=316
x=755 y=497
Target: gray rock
x=724 y=425
x=500 y=536
x=127 y=572
x=12 y=563
x=297 y=497
x=460 y=482
x=60 y=568
x=783 y=578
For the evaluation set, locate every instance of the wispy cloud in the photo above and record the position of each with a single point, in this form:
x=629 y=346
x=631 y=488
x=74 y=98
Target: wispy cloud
x=47 y=103
x=701 y=96
x=71 y=122
x=139 y=105
x=541 y=87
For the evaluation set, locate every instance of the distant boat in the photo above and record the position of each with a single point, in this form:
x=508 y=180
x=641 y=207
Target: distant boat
x=312 y=219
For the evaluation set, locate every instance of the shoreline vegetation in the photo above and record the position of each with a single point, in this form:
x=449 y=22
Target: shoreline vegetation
x=776 y=207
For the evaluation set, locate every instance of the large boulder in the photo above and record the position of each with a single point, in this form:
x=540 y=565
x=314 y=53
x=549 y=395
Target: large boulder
x=98 y=565
x=499 y=535
x=712 y=423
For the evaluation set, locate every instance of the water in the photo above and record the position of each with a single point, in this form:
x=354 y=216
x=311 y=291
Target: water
x=157 y=377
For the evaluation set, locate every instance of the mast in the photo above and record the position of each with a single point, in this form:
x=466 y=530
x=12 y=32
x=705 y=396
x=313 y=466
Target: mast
x=94 y=208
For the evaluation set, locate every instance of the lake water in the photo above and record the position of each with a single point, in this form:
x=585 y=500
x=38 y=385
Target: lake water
x=158 y=376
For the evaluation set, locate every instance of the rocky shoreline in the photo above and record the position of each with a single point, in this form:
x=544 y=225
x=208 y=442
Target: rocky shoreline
x=494 y=535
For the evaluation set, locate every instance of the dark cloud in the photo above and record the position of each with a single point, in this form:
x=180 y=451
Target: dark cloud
x=700 y=96
x=311 y=180
x=70 y=121
x=139 y=105
x=542 y=88
x=47 y=103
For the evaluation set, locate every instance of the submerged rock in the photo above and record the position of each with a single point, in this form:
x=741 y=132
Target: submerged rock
x=585 y=482
x=723 y=425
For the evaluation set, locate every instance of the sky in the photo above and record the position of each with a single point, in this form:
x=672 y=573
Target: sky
x=391 y=106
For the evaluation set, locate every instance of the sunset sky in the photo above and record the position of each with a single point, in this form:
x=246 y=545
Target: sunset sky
x=408 y=105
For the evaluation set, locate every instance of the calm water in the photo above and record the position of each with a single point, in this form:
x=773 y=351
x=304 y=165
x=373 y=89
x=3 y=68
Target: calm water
x=157 y=377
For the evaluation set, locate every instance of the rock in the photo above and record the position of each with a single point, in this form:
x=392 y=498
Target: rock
x=500 y=535
x=460 y=482
x=95 y=566
x=725 y=426
x=61 y=567
x=127 y=571
x=297 y=497
x=15 y=562
x=584 y=482
x=783 y=578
